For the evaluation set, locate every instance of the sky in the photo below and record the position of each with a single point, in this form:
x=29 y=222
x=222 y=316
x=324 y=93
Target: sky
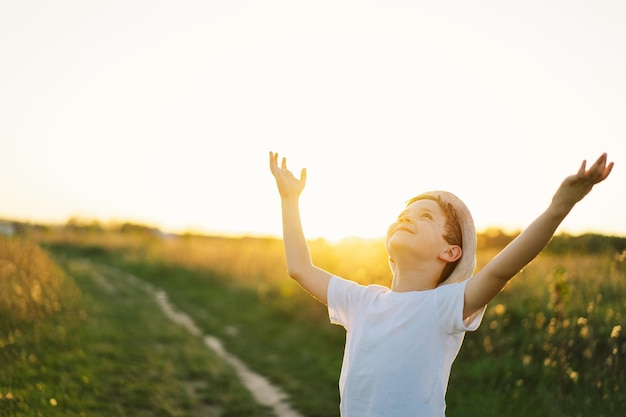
x=163 y=112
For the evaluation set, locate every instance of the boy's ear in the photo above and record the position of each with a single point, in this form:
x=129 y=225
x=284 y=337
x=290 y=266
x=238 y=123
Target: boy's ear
x=451 y=253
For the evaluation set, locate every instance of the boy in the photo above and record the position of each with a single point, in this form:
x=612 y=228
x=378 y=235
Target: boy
x=401 y=342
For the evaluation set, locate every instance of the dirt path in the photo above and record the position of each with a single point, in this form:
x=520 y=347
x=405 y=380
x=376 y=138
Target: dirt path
x=262 y=390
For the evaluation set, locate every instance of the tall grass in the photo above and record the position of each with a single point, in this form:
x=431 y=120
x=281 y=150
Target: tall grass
x=39 y=308
x=32 y=287
x=553 y=340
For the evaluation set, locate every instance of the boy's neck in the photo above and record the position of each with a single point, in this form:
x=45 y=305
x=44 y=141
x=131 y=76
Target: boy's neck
x=414 y=280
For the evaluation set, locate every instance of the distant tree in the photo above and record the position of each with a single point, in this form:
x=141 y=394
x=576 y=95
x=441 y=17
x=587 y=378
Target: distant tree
x=138 y=229
x=78 y=224
x=587 y=243
x=494 y=238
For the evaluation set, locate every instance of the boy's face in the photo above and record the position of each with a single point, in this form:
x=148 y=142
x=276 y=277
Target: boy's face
x=418 y=231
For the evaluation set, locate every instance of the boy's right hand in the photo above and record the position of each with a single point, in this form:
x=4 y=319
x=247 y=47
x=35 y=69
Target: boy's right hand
x=288 y=185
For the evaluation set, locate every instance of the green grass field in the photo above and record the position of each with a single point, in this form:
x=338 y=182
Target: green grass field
x=553 y=343
x=103 y=348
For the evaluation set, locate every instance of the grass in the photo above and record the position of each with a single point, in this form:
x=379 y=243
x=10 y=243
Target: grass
x=554 y=342
x=273 y=334
x=106 y=349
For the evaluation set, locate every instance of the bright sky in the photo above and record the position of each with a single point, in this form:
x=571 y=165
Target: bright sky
x=163 y=112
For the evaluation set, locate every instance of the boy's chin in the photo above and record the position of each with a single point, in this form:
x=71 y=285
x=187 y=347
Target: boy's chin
x=397 y=244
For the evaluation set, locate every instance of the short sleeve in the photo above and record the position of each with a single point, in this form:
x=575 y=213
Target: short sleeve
x=451 y=300
x=343 y=296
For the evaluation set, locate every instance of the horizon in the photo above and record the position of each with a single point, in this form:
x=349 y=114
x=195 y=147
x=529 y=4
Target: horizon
x=112 y=225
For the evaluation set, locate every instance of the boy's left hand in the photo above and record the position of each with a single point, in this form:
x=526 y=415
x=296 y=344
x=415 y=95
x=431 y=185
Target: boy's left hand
x=576 y=186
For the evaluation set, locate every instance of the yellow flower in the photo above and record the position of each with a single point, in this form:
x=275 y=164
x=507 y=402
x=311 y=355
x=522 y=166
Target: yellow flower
x=499 y=309
x=615 y=331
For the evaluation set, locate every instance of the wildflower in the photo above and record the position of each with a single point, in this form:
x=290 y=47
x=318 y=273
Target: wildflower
x=584 y=332
x=499 y=309
x=615 y=331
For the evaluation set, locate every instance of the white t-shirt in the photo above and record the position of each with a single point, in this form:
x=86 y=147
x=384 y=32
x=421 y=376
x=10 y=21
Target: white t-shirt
x=399 y=347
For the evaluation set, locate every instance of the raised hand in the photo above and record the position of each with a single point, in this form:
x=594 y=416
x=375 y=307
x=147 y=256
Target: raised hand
x=577 y=186
x=288 y=185
x=489 y=281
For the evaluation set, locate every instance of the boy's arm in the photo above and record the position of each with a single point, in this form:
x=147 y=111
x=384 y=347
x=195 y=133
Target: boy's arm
x=299 y=264
x=489 y=281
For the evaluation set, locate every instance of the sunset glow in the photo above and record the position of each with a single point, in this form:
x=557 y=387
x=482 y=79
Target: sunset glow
x=164 y=112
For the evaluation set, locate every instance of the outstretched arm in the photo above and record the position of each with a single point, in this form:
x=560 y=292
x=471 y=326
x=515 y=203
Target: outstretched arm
x=489 y=281
x=299 y=264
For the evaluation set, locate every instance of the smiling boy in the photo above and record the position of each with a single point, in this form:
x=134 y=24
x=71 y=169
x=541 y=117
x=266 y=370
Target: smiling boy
x=401 y=342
